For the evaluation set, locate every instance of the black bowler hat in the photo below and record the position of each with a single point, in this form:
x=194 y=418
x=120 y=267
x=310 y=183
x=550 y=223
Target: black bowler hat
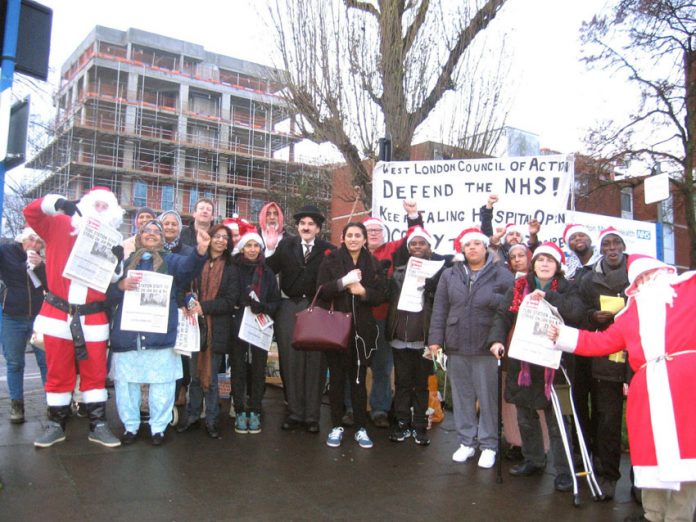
x=309 y=211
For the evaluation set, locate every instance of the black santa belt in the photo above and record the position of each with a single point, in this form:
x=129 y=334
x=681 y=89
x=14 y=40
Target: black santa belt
x=75 y=312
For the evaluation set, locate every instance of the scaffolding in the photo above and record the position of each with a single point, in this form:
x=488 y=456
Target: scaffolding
x=162 y=130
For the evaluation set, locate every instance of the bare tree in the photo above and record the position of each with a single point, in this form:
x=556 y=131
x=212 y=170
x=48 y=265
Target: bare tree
x=356 y=68
x=651 y=42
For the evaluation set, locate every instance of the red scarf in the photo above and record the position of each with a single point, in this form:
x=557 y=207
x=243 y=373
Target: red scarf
x=524 y=378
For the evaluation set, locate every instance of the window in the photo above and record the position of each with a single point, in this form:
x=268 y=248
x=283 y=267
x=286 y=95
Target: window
x=193 y=197
x=627 y=203
x=167 y=197
x=139 y=194
x=255 y=207
x=666 y=217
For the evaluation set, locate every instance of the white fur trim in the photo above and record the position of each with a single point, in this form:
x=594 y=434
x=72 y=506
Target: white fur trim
x=58 y=399
x=650 y=476
x=471 y=236
x=77 y=293
x=549 y=251
x=458 y=258
x=567 y=339
x=98 y=395
x=61 y=329
x=48 y=204
x=248 y=237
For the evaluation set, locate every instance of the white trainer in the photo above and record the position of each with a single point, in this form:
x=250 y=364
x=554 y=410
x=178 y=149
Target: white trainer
x=463 y=453
x=487 y=459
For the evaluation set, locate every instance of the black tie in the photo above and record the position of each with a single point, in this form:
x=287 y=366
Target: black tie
x=308 y=249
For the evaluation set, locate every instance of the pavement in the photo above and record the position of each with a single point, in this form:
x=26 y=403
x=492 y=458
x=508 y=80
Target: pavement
x=273 y=475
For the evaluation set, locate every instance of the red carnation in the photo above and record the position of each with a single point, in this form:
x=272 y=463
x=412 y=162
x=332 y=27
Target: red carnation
x=327 y=252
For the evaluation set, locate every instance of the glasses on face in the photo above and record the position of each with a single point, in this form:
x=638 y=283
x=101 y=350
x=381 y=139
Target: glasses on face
x=374 y=231
x=155 y=231
x=220 y=236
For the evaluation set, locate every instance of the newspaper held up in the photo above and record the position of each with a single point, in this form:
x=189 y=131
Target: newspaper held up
x=147 y=308
x=256 y=332
x=188 y=336
x=91 y=261
x=529 y=342
x=417 y=271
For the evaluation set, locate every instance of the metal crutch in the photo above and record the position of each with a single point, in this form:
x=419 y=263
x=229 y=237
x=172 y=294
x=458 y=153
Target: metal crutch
x=587 y=462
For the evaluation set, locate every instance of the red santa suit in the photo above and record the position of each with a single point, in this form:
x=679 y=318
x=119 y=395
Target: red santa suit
x=58 y=232
x=660 y=412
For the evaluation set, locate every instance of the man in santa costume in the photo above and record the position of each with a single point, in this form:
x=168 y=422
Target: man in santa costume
x=73 y=317
x=657 y=329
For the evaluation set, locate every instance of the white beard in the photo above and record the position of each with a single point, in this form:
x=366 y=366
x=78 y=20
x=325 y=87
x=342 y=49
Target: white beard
x=113 y=216
x=655 y=293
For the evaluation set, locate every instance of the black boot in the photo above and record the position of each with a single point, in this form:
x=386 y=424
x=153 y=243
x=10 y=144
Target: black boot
x=99 y=431
x=55 y=429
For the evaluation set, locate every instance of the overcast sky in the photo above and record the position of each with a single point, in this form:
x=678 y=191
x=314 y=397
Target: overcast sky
x=555 y=96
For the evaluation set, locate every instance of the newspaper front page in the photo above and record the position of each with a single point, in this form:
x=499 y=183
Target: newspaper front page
x=529 y=342
x=188 y=336
x=147 y=308
x=255 y=331
x=91 y=261
x=417 y=271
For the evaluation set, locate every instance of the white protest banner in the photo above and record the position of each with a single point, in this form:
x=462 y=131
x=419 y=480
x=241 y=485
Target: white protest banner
x=529 y=341
x=640 y=236
x=147 y=308
x=451 y=192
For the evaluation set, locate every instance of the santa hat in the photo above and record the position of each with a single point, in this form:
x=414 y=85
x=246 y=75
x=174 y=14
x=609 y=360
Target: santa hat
x=372 y=221
x=610 y=230
x=250 y=235
x=466 y=235
x=112 y=216
x=550 y=249
x=418 y=231
x=511 y=227
x=639 y=264
x=236 y=224
x=574 y=228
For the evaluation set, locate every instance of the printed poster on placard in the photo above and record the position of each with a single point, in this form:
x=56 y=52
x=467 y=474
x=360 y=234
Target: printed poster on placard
x=529 y=341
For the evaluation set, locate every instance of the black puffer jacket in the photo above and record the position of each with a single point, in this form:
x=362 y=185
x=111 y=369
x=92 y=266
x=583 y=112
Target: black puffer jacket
x=567 y=300
x=338 y=263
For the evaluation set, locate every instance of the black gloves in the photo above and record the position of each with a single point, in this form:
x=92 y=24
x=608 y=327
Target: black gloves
x=68 y=207
x=256 y=307
x=117 y=250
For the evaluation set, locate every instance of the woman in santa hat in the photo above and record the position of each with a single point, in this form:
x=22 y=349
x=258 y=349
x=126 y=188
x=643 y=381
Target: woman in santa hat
x=657 y=330
x=528 y=386
x=466 y=299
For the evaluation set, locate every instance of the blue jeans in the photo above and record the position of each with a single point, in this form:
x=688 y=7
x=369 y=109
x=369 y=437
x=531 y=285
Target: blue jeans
x=196 y=392
x=16 y=332
x=382 y=364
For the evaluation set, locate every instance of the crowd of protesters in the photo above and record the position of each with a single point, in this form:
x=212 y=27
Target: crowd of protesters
x=468 y=310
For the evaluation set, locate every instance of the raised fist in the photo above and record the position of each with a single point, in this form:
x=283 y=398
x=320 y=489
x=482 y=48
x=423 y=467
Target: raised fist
x=69 y=208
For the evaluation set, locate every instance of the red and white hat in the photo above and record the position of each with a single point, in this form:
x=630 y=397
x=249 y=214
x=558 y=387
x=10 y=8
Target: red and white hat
x=639 y=264
x=464 y=237
x=372 y=221
x=236 y=223
x=418 y=231
x=574 y=228
x=550 y=249
x=608 y=231
x=511 y=227
x=250 y=235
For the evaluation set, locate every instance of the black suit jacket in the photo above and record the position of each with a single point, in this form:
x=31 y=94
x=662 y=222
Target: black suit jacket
x=298 y=279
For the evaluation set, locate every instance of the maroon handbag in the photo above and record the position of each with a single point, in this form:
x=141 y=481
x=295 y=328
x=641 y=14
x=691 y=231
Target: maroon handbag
x=318 y=329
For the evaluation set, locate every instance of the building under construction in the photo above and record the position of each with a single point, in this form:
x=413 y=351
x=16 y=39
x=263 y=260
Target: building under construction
x=163 y=122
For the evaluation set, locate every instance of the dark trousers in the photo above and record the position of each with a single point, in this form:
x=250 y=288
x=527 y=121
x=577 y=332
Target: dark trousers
x=342 y=365
x=607 y=403
x=411 y=372
x=244 y=354
x=303 y=373
x=533 y=442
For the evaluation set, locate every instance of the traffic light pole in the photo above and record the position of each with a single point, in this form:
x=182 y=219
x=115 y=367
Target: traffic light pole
x=7 y=76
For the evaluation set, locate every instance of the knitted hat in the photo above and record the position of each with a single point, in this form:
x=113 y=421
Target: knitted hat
x=610 y=230
x=639 y=264
x=574 y=228
x=550 y=249
x=418 y=231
